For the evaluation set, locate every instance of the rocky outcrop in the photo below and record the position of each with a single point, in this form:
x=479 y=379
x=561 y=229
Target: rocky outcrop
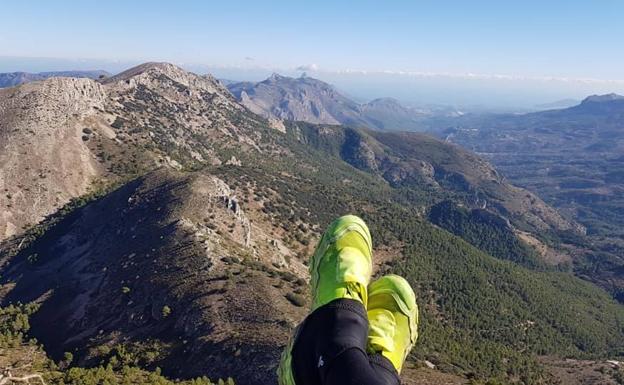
x=44 y=161
x=151 y=75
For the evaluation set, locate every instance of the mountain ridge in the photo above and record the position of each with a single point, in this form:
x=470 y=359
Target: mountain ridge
x=314 y=101
x=11 y=79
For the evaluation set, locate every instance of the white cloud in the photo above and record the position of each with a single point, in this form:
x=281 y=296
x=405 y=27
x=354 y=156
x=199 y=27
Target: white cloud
x=308 y=67
x=476 y=76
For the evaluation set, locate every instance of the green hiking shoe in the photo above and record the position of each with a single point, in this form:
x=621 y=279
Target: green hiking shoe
x=341 y=266
x=392 y=319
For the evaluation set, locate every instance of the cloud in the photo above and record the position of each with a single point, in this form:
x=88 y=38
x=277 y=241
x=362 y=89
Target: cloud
x=474 y=76
x=308 y=67
x=249 y=58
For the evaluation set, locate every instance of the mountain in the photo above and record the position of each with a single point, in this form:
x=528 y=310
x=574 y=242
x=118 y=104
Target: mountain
x=155 y=226
x=603 y=98
x=304 y=99
x=11 y=79
x=563 y=103
x=602 y=104
x=159 y=243
x=313 y=101
x=61 y=136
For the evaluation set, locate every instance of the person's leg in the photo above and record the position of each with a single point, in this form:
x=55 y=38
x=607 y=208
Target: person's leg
x=330 y=349
x=355 y=367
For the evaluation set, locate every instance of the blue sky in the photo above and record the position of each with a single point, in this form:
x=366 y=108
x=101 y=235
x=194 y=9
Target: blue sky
x=523 y=40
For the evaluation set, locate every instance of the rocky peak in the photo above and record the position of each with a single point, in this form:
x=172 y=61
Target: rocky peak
x=276 y=77
x=602 y=98
x=143 y=68
x=151 y=73
x=302 y=81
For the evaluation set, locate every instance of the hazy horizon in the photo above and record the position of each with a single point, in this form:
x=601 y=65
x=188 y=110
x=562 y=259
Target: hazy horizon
x=499 y=55
x=470 y=91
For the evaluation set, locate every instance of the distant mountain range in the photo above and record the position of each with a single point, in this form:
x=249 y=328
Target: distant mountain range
x=314 y=101
x=10 y=79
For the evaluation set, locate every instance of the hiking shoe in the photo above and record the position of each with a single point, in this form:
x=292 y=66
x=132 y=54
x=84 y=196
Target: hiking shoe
x=392 y=318
x=341 y=266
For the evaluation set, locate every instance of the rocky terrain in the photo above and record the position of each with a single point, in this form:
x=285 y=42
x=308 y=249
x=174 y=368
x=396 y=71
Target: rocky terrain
x=172 y=229
x=10 y=79
x=311 y=100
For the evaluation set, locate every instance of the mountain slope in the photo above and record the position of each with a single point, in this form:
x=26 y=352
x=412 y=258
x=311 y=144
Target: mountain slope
x=419 y=160
x=151 y=245
x=44 y=161
x=313 y=101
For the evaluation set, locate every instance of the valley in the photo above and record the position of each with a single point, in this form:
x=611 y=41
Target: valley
x=572 y=158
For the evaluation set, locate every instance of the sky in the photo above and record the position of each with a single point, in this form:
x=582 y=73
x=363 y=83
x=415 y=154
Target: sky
x=505 y=52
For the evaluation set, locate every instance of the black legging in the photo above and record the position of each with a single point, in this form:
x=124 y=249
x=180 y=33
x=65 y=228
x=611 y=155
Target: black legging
x=330 y=349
